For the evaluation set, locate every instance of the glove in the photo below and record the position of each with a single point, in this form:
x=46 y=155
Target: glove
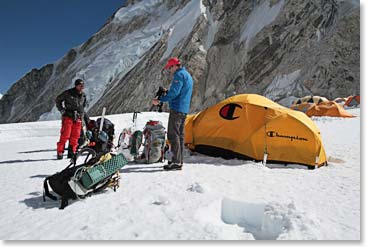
x=76 y=116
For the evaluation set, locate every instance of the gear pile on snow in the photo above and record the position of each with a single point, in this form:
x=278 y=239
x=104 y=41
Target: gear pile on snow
x=79 y=181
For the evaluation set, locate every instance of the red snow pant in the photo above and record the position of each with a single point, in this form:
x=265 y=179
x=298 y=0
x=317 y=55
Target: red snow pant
x=70 y=131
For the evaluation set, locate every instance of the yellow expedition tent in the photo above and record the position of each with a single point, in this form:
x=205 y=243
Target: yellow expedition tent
x=250 y=126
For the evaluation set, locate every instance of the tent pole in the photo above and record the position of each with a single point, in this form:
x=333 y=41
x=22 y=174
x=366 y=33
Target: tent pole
x=265 y=157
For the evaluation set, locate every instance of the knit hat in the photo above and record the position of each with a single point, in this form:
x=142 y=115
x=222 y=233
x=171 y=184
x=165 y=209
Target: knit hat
x=78 y=82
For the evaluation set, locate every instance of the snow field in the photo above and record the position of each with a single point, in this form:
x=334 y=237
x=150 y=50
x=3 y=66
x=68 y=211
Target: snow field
x=211 y=198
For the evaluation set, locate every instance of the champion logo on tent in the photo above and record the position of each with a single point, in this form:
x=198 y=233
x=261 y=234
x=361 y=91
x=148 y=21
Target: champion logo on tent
x=227 y=111
x=276 y=134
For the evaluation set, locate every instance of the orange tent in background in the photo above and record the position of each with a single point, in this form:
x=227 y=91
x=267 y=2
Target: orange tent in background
x=250 y=126
x=329 y=108
x=352 y=101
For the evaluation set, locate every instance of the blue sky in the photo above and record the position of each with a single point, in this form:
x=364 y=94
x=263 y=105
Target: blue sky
x=35 y=33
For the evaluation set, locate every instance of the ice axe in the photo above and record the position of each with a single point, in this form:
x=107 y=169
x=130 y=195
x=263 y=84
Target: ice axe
x=101 y=134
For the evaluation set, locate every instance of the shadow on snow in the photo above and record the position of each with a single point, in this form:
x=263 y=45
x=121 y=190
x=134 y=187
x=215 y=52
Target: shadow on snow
x=23 y=161
x=37 y=151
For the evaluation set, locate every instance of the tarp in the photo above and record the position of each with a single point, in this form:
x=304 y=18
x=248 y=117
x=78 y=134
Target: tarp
x=304 y=103
x=310 y=99
x=247 y=126
x=329 y=109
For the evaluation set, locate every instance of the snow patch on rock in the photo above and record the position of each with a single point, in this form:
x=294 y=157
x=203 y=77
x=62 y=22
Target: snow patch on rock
x=282 y=85
x=261 y=16
x=181 y=24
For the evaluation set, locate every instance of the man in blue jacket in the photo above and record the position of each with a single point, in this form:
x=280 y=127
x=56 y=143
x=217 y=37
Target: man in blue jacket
x=178 y=97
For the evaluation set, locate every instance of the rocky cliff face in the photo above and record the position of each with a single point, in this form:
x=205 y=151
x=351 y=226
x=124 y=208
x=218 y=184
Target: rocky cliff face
x=277 y=48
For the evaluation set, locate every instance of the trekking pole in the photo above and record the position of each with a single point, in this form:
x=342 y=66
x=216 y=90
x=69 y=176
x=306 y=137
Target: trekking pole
x=102 y=119
x=100 y=136
x=135 y=116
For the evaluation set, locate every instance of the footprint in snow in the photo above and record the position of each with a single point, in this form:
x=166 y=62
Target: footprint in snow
x=196 y=187
x=160 y=200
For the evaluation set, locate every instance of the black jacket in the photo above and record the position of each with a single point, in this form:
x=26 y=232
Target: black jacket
x=72 y=103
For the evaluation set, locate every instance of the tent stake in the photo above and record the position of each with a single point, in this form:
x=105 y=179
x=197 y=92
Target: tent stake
x=317 y=162
x=265 y=158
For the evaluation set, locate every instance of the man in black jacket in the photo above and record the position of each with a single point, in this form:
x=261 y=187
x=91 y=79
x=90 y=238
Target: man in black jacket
x=71 y=104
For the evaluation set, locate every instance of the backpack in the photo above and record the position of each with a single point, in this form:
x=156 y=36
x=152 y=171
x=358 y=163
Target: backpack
x=101 y=141
x=136 y=141
x=79 y=181
x=154 y=142
x=108 y=127
x=131 y=142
